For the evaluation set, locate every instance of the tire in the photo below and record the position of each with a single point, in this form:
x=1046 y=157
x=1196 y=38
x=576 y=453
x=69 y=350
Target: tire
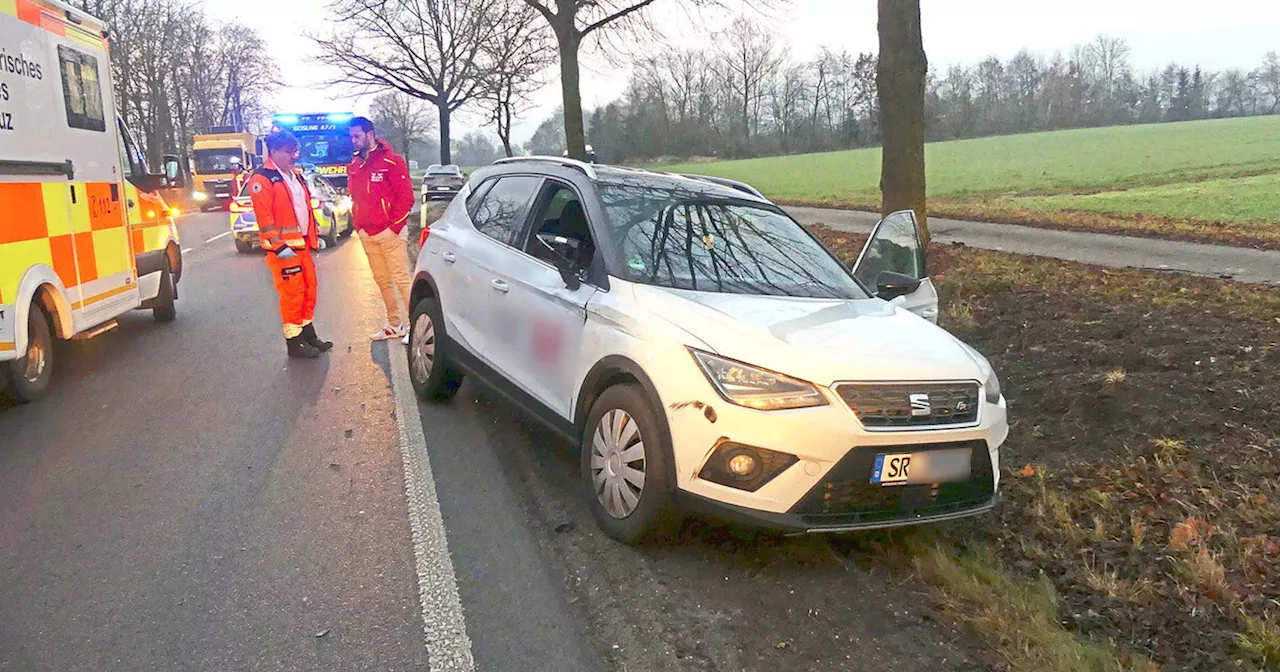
x=649 y=513
x=331 y=240
x=434 y=379
x=351 y=227
x=166 y=309
x=30 y=380
x=243 y=247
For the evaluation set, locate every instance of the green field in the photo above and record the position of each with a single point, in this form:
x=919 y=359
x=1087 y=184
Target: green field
x=1213 y=180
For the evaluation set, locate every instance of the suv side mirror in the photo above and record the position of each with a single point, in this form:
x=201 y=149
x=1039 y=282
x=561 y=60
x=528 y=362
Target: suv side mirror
x=890 y=285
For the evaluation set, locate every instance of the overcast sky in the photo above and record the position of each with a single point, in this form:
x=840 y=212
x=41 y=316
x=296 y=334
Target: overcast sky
x=1216 y=35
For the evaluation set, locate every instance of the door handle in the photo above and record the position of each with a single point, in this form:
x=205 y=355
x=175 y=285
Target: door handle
x=449 y=257
x=500 y=286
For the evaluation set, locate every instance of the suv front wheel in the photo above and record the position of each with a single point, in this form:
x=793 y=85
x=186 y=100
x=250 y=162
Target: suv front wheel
x=625 y=466
x=429 y=370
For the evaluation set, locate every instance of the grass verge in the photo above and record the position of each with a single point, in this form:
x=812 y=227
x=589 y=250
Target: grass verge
x=1141 y=478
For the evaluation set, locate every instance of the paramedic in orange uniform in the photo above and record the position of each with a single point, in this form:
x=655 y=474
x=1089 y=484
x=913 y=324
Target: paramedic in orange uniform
x=288 y=234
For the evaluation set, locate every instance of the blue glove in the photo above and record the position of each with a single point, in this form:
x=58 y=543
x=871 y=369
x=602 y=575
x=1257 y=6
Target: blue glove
x=286 y=252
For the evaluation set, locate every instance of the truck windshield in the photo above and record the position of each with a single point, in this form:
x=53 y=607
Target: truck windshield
x=214 y=161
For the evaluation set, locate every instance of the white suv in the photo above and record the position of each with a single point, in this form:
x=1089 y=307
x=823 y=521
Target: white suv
x=706 y=351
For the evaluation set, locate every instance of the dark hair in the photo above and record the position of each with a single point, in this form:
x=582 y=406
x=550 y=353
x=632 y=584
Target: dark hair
x=363 y=124
x=281 y=140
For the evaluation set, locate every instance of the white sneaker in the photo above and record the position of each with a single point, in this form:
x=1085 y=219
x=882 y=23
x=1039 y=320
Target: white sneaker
x=405 y=340
x=387 y=332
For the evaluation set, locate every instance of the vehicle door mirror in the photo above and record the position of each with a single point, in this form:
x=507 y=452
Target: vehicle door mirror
x=890 y=285
x=894 y=247
x=173 y=177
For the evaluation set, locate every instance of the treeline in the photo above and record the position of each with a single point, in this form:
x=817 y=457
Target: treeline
x=177 y=75
x=746 y=97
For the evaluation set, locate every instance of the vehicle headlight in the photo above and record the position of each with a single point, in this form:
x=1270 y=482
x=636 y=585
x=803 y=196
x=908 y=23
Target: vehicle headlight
x=757 y=388
x=992 y=388
x=200 y=195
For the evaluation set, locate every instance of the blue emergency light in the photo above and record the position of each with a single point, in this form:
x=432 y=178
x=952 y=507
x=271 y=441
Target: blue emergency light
x=337 y=117
x=286 y=119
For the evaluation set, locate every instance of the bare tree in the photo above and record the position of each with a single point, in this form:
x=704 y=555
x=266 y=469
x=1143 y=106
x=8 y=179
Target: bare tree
x=900 y=82
x=431 y=50
x=401 y=119
x=573 y=22
x=748 y=61
x=520 y=51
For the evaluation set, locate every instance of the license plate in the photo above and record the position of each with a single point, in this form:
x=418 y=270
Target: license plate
x=933 y=466
x=445 y=188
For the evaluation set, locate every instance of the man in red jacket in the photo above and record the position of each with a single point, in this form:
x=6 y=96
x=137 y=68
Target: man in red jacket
x=382 y=197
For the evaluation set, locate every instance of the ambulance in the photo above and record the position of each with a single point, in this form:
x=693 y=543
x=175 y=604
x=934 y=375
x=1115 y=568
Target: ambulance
x=84 y=235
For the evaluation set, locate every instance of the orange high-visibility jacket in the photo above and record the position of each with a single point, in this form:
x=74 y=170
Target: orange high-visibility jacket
x=273 y=207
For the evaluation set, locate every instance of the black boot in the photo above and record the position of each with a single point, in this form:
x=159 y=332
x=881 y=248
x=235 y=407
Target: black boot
x=299 y=348
x=309 y=335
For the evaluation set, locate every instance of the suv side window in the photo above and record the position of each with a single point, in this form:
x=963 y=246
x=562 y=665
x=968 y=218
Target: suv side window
x=501 y=213
x=560 y=228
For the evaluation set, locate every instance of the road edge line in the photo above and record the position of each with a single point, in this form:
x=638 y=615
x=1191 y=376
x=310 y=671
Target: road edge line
x=444 y=625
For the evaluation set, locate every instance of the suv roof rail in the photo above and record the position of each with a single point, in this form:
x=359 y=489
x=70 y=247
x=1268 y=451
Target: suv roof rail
x=726 y=182
x=560 y=160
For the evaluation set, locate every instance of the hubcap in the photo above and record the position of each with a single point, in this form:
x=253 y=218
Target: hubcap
x=422 y=349
x=617 y=463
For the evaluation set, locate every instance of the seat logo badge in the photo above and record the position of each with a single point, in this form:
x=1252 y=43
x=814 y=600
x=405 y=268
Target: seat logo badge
x=920 y=404
x=961 y=406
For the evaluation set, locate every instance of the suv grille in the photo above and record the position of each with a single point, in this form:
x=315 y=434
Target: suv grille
x=847 y=496
x=910 y=405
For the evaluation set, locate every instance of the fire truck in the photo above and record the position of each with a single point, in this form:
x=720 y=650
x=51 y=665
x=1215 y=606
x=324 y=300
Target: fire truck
x=84 y=235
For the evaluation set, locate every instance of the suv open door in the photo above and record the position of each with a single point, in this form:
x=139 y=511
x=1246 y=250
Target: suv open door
x=892 y=265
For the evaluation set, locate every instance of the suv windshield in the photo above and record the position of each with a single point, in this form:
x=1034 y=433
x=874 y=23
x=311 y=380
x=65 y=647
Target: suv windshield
x=684 y=240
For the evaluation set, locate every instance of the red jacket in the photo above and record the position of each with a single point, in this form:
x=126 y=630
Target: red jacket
x=273 y=208
x=381 y=191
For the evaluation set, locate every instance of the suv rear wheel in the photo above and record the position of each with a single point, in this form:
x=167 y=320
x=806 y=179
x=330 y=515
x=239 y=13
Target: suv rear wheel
x=626 y=454
x=429 y=370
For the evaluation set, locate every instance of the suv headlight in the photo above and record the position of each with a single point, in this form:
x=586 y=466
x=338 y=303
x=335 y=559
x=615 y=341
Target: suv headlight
x=992 y=388
x=757 y=388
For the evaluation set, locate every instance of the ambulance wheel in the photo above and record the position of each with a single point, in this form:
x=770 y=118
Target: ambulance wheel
x=243 y=246
x=30 y=375
x=166 y=309
x=429 y=370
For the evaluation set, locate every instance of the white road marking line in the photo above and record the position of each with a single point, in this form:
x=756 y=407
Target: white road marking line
x=186 y=250
x=220 y=235
x=448 y=646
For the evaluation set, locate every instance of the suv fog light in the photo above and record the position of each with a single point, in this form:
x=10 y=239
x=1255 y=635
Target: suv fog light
x=742 y=464
x=744 y=467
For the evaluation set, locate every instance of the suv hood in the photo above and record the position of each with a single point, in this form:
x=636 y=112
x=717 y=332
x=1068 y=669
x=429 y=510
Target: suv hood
x=819 y=340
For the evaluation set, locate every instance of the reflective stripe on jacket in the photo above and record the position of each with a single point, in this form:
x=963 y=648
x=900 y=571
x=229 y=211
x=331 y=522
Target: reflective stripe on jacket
x=273 y=206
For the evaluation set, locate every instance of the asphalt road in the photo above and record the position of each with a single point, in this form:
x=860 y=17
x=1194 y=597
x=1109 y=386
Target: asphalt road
x=189 y=499
x=1239 y=263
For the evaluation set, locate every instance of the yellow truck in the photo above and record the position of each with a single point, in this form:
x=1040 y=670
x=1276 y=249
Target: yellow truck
x=84 y=235
x=215 y=158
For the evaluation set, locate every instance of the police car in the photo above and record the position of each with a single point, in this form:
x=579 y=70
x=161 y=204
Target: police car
x=332 y=210
x=706 y=352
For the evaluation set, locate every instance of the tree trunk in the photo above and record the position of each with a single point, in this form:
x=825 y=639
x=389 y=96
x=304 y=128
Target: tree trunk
x=575 y=133
x=446 y=156
x=900 y=86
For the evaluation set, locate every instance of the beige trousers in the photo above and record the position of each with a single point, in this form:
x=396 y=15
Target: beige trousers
x=389 y=260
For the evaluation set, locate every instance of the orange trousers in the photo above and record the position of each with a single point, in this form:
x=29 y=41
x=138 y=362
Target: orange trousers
x=295 y=281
